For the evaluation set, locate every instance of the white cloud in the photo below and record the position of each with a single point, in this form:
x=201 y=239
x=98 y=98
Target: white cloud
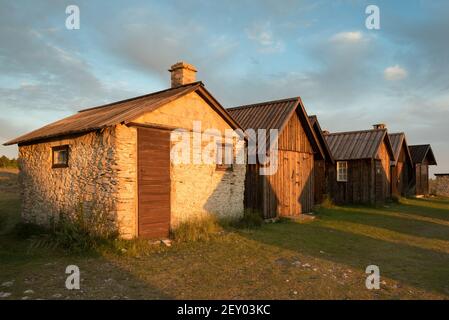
x=348 y=37
x=263 y=35
x=395 y=73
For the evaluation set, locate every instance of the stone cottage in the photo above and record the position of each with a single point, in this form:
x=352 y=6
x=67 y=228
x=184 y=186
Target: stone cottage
x=117 y=157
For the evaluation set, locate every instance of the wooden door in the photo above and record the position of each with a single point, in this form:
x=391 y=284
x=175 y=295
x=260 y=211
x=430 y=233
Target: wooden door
x=153 y=183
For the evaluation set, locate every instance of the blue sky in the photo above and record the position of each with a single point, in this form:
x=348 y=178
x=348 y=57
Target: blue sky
x=245 y=51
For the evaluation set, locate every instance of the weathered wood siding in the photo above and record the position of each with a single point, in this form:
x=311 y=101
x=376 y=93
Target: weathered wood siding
x=368 y=180
x=290 y=191
x=320 y=180
x=359 y=187
x=383 y=174
x=400 y=175
x=422 y=179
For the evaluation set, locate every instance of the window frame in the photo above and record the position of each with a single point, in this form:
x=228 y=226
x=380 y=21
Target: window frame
x=222 y=166
x=339 y=178
x=56 y=149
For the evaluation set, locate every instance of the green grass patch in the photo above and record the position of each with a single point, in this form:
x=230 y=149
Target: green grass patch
x=251 y=219
x=321 y=259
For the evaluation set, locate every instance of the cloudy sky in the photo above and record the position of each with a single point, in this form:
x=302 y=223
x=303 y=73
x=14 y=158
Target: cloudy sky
x=245 y=51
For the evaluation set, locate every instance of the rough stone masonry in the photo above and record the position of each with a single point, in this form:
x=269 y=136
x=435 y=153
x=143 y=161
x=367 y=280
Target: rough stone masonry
x=441 y=185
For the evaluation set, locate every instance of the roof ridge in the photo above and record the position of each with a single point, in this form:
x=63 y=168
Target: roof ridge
x=353 y=132
x=263 y=103
x=419 y=145
x=396 y=133
x=142 y=96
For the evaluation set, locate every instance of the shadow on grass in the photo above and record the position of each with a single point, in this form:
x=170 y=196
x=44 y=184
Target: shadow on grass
x=437 y=200
x=43 y=270
x=438 y=213
x=418 y=267
x=393 y=220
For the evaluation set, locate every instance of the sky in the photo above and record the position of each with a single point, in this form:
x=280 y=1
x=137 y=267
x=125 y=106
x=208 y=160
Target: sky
x=245 y=51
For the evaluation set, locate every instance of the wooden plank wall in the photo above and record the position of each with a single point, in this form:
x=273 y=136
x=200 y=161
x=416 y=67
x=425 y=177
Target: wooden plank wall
x=358 y=188
x=291 y=190
x=320 y=181
x=368 y=180
x=422 y=179
x=400 y=175
x=383 y=175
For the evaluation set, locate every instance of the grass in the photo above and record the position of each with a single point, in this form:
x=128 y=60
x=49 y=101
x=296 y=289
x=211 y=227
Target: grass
x=320 y=259
x=199 y=229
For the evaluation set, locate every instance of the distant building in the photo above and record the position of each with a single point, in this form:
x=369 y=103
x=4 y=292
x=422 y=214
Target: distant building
x=401 y=167
x=422 y=157
x=362 y=171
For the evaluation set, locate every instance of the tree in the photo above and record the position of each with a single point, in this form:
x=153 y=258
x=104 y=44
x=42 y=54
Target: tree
x=5 y=162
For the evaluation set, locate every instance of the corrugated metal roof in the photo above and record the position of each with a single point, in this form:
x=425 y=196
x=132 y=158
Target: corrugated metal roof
x=265 y=115
x=316 y=126
x=112 y=114
x=420 y=152
x=397 y=140
x=274 y=115
x=355 y=145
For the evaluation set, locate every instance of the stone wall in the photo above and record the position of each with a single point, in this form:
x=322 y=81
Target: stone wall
x=440 y=186
x=99 y=177
x=200 y=189
x=125 y=167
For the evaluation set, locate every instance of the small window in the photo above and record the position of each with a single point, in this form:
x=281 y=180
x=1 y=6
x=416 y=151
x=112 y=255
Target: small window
x=60 y=157
x=224 y=156
x=342 y=171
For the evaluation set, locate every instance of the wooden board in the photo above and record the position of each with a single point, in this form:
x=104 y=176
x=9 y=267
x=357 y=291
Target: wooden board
x=290 y=191
x=154 y=183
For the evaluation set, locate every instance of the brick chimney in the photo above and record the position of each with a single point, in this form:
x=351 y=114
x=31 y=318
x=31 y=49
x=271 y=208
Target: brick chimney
x=182 y=73
x=379 y=126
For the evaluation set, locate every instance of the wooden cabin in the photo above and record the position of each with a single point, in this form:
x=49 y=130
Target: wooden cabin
x=290 y=191
x=361 y=173
x=422 y=157
x=321 y=184
x=401 y=167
